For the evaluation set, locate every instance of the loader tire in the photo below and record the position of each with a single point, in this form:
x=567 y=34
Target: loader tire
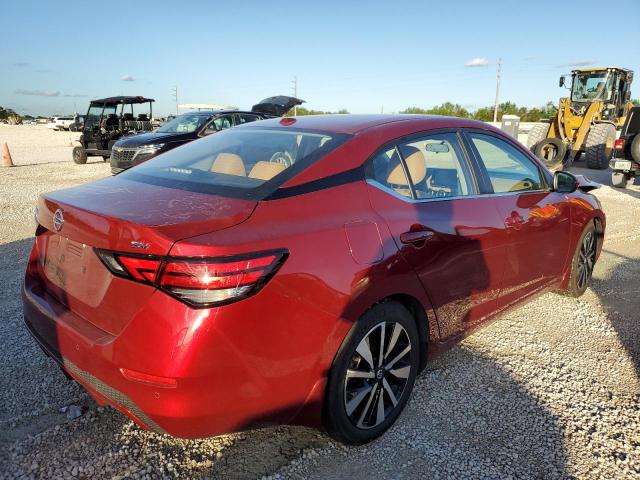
x=635 y=148
x=599 y=145
x=537 y=133
x=551 y=151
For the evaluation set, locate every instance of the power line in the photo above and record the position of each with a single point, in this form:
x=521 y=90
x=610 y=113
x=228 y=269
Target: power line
x=495 y=108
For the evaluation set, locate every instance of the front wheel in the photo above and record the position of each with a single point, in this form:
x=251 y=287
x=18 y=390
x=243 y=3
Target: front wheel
x=79 y=155
x=599 y=145
x=583 y=262
x=372 y=375
x=621 y=180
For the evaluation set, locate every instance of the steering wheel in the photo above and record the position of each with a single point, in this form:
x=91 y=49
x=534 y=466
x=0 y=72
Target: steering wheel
x=284 y=158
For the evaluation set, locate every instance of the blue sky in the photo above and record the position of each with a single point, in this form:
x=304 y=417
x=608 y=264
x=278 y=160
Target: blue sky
x=362 y=56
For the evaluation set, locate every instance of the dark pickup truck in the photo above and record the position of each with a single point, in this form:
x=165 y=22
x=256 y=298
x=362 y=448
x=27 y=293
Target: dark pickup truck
x=134 y=149
x=625 y=163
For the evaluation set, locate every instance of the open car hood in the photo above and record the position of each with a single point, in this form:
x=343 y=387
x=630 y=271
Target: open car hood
x=276 y=106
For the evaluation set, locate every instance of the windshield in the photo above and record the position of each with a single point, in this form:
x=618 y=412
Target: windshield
x=186 y=123
x=95 y=113
x=239 y=162
x=590 y=86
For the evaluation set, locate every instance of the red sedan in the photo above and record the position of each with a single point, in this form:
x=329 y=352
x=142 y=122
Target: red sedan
x=298 y=270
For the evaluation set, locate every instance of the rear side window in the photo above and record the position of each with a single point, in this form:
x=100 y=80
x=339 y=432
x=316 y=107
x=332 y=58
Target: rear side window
x=241 y=162
x=509 y=169
x=387 y=170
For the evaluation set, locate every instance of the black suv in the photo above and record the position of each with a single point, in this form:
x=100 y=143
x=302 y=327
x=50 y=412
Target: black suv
x=134 y=149
x=626 y=161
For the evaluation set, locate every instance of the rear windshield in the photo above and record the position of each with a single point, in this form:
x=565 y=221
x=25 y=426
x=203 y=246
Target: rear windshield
x=239 y=162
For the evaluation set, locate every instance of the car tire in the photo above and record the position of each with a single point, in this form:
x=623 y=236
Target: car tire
x=354 y=411
x=79 y=155
x=537 y=133
x=599 y=145
x=634 y=149
x=621 y=180
x=558 y=151
x=583 y=262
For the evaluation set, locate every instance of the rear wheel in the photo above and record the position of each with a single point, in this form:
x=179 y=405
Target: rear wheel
x=599 y=145
x=621 y=180
x=584 y=260
x=634 y=149
x=551 y=151
x=79 y=155
x=537 y=133
x=372 y=375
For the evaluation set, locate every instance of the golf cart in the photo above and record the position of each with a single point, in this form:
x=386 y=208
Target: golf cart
x=108 y=120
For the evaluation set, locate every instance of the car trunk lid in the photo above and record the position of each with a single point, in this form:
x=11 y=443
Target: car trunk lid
x=276 y=106
x=124 y=216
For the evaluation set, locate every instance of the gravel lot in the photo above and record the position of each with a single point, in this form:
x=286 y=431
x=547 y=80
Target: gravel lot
x=551 y=390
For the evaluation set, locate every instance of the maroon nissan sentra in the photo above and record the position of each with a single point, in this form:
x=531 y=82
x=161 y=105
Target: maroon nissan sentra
x=298 y=270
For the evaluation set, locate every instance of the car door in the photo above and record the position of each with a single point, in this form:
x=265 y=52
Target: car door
x=537 y=220
x=426 y=191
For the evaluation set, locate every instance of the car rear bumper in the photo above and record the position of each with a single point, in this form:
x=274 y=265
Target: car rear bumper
x=228 y=375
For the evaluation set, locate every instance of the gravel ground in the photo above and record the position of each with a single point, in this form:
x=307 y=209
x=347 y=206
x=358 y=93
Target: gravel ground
x=551 y=390
x=31 y=144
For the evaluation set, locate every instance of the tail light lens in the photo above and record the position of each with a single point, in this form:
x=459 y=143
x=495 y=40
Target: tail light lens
x=619 y=144
x=199 y=282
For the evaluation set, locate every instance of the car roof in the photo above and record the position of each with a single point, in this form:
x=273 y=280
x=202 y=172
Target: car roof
x=354 y=123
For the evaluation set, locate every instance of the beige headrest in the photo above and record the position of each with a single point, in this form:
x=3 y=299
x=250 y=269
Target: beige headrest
x=266 y=170
x=417 y=169
x=229 y=163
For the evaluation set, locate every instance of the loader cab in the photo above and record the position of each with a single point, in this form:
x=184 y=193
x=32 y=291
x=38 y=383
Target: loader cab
x=610 y=86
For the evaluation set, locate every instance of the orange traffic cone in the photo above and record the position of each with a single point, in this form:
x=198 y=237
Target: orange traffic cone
x=6 y=156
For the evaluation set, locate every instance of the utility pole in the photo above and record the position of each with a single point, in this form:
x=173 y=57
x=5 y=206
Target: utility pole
x=294 y=83
x=495 y=108
x=174 y=94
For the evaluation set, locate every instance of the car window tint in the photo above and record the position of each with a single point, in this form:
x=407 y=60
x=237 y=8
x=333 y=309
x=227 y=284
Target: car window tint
x=387 y=170
x=508 y=168
x=436 y=166
x=247 y=117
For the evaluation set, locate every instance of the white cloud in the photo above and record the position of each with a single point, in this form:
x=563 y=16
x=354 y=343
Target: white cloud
x=38 y=93
x=477 y=62
x=128 y=78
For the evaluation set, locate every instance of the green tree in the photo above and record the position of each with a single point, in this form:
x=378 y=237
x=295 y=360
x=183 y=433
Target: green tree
x=449 y=109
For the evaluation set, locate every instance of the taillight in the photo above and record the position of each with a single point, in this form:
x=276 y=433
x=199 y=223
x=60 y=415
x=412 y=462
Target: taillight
x=199 y=282
x=619 y=144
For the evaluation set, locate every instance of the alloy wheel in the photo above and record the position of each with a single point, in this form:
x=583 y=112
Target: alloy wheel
x=586 y=260
x=377 y=375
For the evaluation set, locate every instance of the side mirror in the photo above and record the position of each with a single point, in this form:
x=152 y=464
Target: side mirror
x=561 y=82
x=564 y=182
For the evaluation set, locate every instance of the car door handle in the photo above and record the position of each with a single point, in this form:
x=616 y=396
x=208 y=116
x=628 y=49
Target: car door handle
x=416 y=237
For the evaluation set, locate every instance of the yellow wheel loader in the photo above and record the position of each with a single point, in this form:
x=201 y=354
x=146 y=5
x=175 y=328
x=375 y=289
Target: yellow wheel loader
x=586 y=121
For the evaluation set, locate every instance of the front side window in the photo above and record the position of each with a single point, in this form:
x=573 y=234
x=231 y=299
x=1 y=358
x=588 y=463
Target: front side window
x=223 y=122
x=248 y=117
x=436 y=166
x=508 y=169
x=237 y=162
x=186 y=123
